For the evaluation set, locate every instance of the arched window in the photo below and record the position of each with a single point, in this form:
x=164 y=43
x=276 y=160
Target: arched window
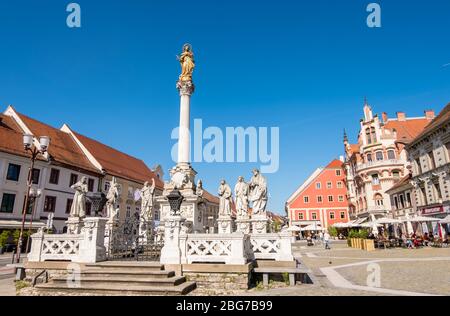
x=379 y=155
x=378 y=200
x=391 y=154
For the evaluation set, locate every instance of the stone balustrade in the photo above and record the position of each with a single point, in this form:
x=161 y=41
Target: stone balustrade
x=214 y=248
x=276 y=246
x=85 y=247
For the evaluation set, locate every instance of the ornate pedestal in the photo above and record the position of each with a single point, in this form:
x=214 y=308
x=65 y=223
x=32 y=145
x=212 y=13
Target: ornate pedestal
x=74 y=225
x=259 y=224
x=171 y=253
x=243 y=226
x=225 y=225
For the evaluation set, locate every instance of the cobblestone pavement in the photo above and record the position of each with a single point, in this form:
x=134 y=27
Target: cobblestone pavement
x=344 y=270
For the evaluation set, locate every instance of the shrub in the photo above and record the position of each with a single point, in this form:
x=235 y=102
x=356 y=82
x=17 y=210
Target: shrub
x=4 y=237
x=333 y=231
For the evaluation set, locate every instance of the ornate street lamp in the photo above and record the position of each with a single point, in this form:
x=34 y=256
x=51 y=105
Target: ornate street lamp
x=34 y=195
x=28 y=144
x=175 y=200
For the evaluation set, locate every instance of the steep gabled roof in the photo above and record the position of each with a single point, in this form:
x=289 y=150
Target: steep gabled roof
x=117 y=163
x=335 y=164
x=305 y=184
x=11 y=137
x=63 y=149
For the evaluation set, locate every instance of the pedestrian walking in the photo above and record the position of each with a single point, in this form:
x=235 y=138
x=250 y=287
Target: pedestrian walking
x=326 y=239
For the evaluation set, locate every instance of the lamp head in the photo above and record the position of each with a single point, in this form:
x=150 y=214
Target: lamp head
x=44 y=142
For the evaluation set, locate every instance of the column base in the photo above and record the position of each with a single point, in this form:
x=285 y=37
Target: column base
x=225 y=225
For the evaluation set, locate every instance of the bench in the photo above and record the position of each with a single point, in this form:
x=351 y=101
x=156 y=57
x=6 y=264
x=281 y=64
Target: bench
x=266 y=271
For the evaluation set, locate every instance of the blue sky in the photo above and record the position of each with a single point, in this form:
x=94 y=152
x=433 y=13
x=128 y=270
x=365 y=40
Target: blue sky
x=304 y=66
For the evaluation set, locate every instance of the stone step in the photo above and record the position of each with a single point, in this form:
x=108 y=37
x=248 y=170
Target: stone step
x=115 y=289
x=131 y=274
x=135 y=265
x=124 y=281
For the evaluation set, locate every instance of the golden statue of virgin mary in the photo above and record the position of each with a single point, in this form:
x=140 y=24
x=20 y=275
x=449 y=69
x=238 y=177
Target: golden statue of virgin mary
x=187 y=63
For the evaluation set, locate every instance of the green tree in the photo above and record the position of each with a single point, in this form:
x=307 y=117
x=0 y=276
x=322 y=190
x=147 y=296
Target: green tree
x=4 y=237
x=333 y=231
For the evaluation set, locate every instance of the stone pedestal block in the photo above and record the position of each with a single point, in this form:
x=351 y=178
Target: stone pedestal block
x=259 y=224
x=243 y=226
x=74 y=225
x=225 y=225
x=171 y=253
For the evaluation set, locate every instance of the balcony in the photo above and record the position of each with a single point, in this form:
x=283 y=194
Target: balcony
x=379 y=164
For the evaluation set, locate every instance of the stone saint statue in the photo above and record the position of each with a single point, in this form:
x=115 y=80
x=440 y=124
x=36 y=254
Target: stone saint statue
x=187 y=63
x=79 y=200
x=258 y=193
x=225 y=196
x=199 y=190
x=111 y=200
x=241 y=194
x=147 y=195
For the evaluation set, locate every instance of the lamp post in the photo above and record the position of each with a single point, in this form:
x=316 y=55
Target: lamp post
x=34 y=194
x=28 y=140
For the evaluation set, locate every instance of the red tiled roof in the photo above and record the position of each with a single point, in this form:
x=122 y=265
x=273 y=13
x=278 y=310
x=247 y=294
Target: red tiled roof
x=335 y=164
x=117 y=163
x=354 y=148
x=443 y=117
x=407 y=130
x=211 y=198
x=63 y=148
x=11 y=136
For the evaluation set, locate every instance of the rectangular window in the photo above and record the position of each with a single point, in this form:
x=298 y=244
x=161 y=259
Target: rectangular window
x=91 y=185
x=342 y=215
x=314 y=216
x=54 y=176
x=69 y=205
x=339 y=185
x=319 y=199
x=375 y=179
x=50 y=204
x=330 y=198
x=300 y=216
x=331 y=215
x=107 y=185
x=73 y=179
x=306 y=199
x=329 y=185
x=35 y=176
x=408 y=198
x=8 y=203
x=13 y=172
x=338 y=173
x=341 y=198
x=318 y=185
x=391 y=154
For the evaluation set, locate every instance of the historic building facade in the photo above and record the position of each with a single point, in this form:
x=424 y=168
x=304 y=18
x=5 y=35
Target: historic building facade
x=322 y=199
x=379 y=160
x=53 y=173
x=429 y=154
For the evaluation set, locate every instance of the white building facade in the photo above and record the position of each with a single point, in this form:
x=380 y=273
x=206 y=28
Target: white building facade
x=378 y=161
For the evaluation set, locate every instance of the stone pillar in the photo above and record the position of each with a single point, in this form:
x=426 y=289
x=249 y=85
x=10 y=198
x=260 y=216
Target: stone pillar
x=186 y=89
x=37 y=241
x=92 y=247
x=225 y=225
x=259 y=224
x=171 y=252
x=74 y=225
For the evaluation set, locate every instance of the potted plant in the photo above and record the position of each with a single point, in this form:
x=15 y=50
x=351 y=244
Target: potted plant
x=4 y=237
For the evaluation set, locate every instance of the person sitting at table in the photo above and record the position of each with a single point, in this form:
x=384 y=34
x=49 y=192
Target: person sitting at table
x=417 y=242
x=408 y=242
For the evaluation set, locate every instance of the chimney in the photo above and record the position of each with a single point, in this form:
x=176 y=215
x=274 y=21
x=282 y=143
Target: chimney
x=429 y=114
x=384 y=117
x=401 y=116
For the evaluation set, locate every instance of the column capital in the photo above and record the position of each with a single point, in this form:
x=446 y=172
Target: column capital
x=185 y=87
